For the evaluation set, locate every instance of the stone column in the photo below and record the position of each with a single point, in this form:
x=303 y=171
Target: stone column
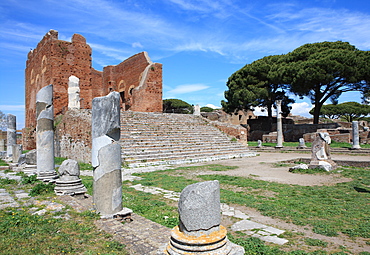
x=355 y=136
x=200 y=230
x=17 y=152
x=2 y=145
x=106 y=154
x=45 y=134
x=279 y=126
x=11 y=134
x=73 y=92
x=196 y=110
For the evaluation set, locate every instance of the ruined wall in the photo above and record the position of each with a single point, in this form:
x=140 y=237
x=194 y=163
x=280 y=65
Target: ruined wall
x=73 y=135
x=236 y=131
x=53 y=61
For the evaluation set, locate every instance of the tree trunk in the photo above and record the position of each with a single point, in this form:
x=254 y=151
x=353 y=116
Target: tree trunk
x=316 y=113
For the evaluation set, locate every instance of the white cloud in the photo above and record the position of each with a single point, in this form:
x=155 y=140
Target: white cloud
x=137 y=45
x=301 y=109
x=260 y=111
x=213 y=106
x=14 y=108
x=187 y=88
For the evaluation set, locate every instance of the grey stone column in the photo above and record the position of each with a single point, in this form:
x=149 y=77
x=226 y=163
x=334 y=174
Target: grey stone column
x=2 y=145
x=45 y=134
x=200 y=230
x=11 y=134
x=355 y=136
x=106 y=154
x=279 y=126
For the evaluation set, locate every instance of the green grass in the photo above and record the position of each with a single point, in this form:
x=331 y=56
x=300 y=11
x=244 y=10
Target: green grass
x=3 y=163
x=24 y=233
x=329 y=210
x=83 y=166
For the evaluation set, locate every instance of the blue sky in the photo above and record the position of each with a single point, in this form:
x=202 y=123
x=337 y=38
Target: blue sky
x=200 y=43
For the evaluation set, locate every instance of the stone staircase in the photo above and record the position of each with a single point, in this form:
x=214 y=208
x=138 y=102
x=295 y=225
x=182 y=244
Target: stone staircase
x=166 y=138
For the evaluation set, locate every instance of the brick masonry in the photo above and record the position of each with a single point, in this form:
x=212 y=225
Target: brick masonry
x=53 y=61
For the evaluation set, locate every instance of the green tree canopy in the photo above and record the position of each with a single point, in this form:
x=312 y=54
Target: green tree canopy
x=325 y=70
x=176 y=106
x=348 y=111
x=206 y=109
x=257 y=84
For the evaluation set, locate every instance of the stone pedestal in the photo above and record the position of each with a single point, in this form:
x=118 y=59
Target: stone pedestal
x=355 y=136
x=279 y=126
x=259 y=144
x=106 y=154
x=199 y=231
x=45 y=134
x=11 y=134
x=69 y=182
x=302 y=144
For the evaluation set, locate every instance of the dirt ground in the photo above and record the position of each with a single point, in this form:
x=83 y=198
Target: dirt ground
x=263 y=167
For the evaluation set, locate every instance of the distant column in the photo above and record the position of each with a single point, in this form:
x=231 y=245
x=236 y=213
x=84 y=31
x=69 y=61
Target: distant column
x=106 y=154
x=279 y=126
x=2 y=145
x=45 y=134
x=355 y=136
x=11 y=134
x=196 y=110
x=73 y=92
x=302 y=144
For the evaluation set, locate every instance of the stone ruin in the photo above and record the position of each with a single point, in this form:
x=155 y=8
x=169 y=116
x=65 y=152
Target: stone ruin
x=45 y=134
x=67 y=65
x=69 y=182
x=11 y=134
x=200 y=230
x=320 y=157
x=106 y=154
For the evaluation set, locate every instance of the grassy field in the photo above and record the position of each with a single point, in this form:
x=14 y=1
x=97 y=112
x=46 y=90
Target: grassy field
x=60 y=232
x=339 y=210
x=335 y=210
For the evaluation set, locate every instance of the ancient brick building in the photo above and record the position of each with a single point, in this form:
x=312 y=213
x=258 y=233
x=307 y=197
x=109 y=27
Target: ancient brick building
x=53 y=61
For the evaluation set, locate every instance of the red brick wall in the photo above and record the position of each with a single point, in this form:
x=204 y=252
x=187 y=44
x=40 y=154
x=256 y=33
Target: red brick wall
x=54 y=61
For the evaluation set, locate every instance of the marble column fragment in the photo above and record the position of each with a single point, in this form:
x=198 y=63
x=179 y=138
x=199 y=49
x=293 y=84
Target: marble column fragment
x=73 y=92
x=279 y=126
x=17 y=152
x=11 y=134
x=45 y=134
x=302 y=144
x=106 y=154
x=355 y=136
x=2 y=145
x=69 y=182
x=200 y=230
x=196 y=110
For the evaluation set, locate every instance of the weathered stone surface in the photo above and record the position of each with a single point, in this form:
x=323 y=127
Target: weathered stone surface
x=73 y=92
x=17 y=152
x=320 y=157
x=199 y=206
x=259 y=143
x=69 y=182
x=302 y=144
x=2 y=145
x=106 y=154
x=196 y=110
x=45 y=134
x=199 y=231
x=11 y=134
x=279 y=127
x=355 y=136
x=31 y=157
